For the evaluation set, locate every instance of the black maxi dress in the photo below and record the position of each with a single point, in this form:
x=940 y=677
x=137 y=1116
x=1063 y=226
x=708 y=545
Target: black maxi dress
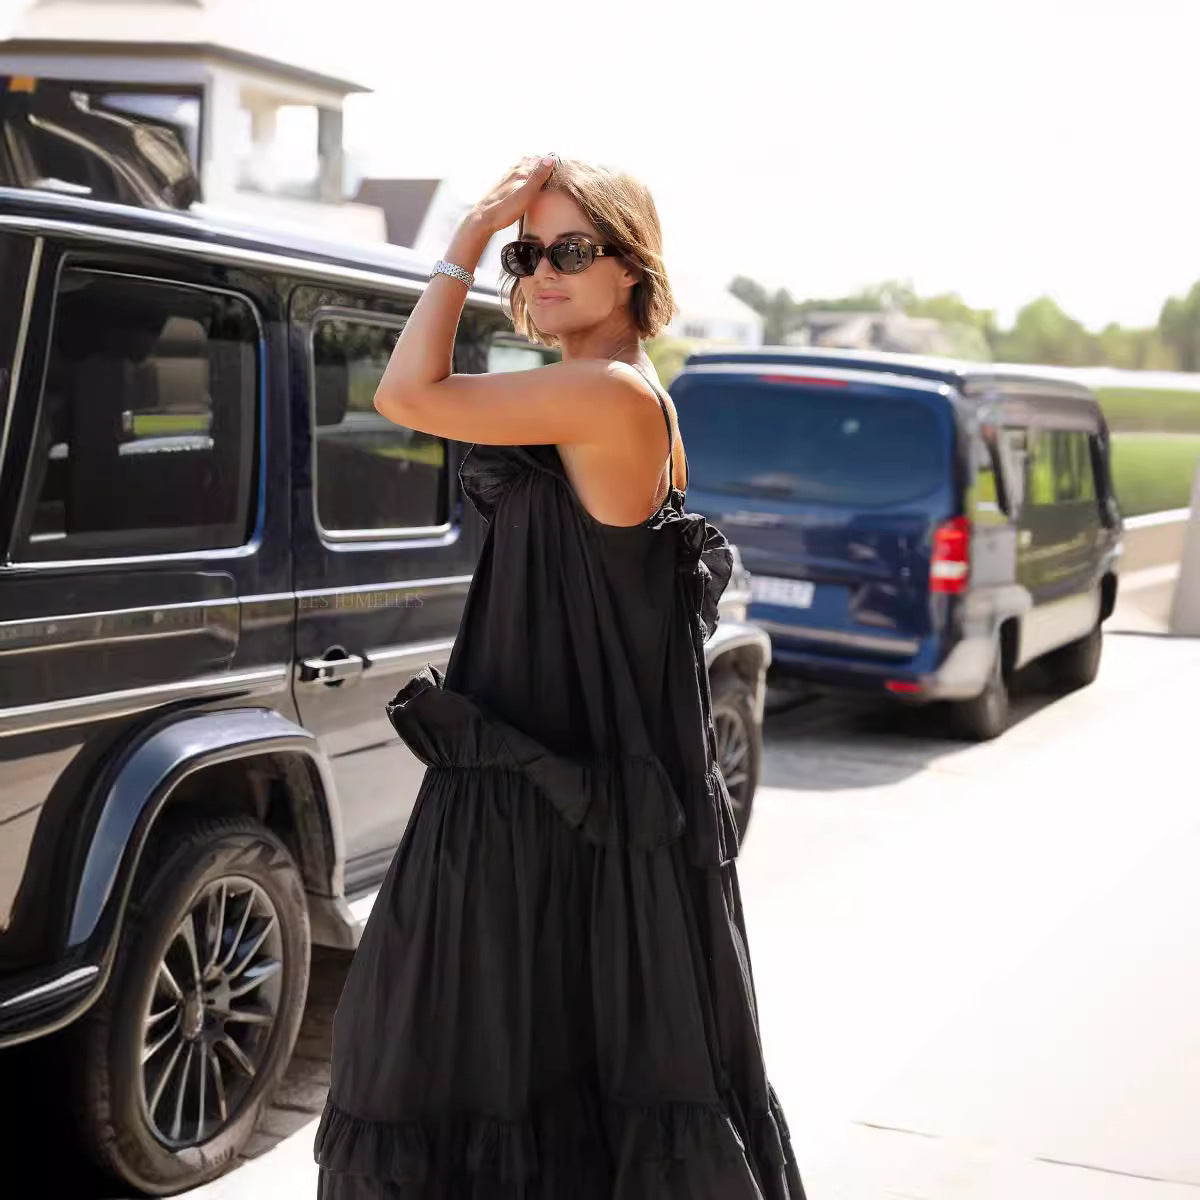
x=552 y=998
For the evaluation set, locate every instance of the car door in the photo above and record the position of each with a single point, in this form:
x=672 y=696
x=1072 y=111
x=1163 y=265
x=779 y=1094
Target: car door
x=383 y=549
x=133 y=525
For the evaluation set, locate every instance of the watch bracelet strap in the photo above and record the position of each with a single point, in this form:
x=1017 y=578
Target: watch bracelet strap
x=442 y=267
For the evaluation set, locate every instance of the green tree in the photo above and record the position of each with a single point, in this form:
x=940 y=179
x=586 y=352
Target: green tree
x=893 y=294
x=1179 y=327
x=668 y=355
x=1043 y=333
x=971 y=332
x=1119 y=346
x=1135 y=349
x=781 y=314
x=1156 y=354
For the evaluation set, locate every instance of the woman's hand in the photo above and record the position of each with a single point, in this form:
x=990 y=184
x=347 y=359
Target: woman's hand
x=506 y=203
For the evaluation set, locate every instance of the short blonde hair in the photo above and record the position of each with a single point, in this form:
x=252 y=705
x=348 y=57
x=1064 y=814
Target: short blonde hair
x=623 y=213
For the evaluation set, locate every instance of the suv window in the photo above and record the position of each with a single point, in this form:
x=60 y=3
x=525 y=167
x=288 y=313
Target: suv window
x=506 y=353
x=15 y=259
x=370 y=475
x=145 y=433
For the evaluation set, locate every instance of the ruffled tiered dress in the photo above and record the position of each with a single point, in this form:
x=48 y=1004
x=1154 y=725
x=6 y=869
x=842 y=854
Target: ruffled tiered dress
x=552 y=999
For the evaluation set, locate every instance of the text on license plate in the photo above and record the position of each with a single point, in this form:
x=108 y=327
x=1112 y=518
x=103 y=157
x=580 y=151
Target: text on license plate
x=769 y=589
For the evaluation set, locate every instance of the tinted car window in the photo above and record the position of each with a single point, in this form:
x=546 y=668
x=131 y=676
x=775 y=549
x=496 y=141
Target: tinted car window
x=509 y=352
x=15 y=258
x=503 y=356
x=1074 y=481
x=1060 y=469
x=1014 y=453
x=371 y=475
x=836 y=445
x=145 y=436
x=988 y=495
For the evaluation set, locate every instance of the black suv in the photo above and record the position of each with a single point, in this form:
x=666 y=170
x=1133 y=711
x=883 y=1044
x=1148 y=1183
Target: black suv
x=219 y=564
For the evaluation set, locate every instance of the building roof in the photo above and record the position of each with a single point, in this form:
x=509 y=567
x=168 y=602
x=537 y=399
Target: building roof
x=156 y=28
x=212 y=50
x=405 y=204
x=703 y=298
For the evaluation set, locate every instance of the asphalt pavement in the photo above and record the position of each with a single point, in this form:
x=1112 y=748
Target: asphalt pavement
x=978 y=967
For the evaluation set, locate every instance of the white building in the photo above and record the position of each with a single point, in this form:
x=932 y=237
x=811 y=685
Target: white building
x=244 y=112
x=424 y=214
x=709 y=313
x=264 y=135
x=891 y=331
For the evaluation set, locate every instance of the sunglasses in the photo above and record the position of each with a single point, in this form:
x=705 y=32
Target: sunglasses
x=568 y=256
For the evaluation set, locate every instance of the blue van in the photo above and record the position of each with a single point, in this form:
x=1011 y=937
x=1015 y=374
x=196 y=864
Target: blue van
x=915 y=528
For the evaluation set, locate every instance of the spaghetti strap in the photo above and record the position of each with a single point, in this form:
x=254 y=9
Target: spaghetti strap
x=670 y=437
x=672 y=432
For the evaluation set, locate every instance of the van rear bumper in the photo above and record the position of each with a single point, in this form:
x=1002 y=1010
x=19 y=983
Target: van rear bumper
x=951 y=663
x=960 y=674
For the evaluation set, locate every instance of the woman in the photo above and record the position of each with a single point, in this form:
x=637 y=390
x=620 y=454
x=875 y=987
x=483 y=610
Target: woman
x=552 y=998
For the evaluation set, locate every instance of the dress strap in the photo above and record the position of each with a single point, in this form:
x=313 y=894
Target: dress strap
x=670 y=437
x=672 y=433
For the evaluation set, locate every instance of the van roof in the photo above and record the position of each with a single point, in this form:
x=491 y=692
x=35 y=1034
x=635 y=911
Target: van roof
x=817 y=372
x=972 y=379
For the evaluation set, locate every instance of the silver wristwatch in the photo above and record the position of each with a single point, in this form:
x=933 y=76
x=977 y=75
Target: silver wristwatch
x=442 y=267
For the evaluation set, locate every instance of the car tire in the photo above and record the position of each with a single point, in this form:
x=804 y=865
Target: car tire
x=739 y=743
x=218 y=1008
x=1077 y=664
x=986 y=716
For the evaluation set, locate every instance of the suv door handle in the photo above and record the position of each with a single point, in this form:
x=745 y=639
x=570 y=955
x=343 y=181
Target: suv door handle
x=333 y=667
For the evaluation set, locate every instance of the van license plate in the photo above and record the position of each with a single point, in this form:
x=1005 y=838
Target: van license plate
x=795 y=593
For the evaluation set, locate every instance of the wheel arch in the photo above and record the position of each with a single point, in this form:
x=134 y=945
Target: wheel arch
x=272 y=767
x=744 y=650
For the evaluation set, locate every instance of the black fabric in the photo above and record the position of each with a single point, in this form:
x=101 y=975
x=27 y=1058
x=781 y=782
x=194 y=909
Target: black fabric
x=553 y=995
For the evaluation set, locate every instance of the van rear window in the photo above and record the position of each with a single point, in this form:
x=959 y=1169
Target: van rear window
x=836 y=445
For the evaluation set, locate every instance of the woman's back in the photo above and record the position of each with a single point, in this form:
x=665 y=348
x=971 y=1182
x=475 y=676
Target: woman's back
x=573 y=624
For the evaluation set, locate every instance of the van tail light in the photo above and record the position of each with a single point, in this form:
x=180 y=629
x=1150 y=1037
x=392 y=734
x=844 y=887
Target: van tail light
x=951 y=562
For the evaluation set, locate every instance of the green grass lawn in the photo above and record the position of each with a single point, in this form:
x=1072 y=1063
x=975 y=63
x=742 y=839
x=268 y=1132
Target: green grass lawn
x=1154 y=472
x=1150 y=410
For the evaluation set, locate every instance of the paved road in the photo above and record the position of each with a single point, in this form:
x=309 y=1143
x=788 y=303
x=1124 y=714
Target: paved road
x=978 y=967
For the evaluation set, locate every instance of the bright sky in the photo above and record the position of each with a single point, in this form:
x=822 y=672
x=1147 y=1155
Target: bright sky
x=998 y=148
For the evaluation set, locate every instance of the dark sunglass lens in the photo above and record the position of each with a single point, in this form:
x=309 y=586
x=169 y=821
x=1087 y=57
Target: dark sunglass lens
x=571 y=256
x=521 y=258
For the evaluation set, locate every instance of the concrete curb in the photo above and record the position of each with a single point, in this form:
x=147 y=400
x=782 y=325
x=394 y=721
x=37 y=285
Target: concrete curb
x=1185 y=609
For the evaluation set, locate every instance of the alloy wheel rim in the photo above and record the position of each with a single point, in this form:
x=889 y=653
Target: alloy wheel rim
x=208 y=1021
x=733 y=755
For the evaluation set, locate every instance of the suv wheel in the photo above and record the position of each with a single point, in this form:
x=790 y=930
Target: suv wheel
x=199 y=1018
x=1077 y=664
x=739 y=743
x=985 y=716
